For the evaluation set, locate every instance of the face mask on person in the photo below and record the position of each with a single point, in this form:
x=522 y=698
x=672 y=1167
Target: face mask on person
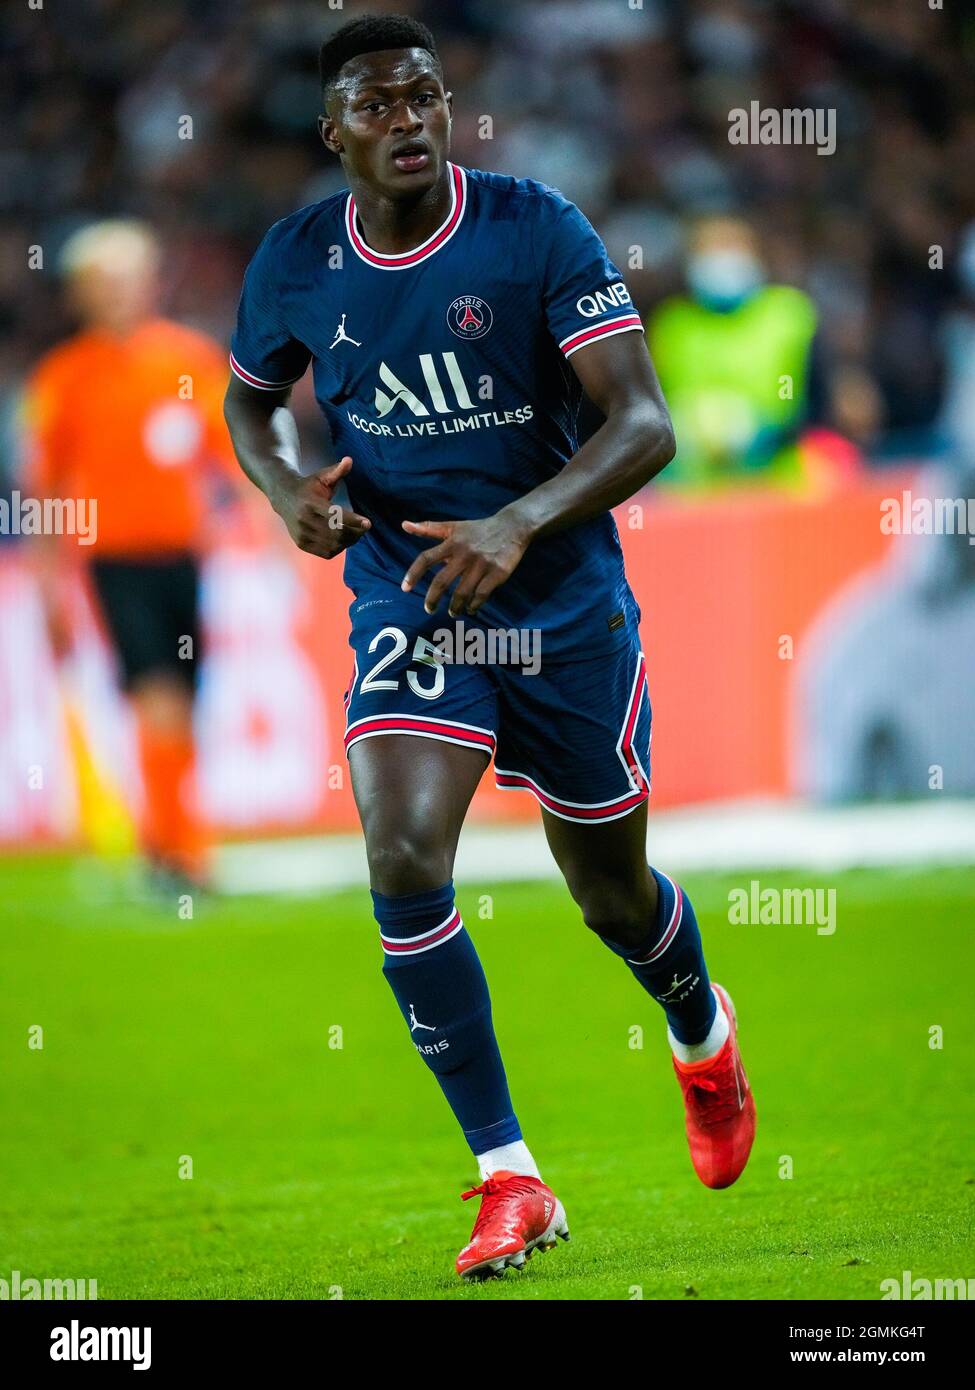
x=723 y=279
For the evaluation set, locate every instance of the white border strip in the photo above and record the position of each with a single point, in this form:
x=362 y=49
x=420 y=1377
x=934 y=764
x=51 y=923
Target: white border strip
x=257 y=382
x=728 y=837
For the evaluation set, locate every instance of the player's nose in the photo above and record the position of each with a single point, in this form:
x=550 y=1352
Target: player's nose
x=405 y=120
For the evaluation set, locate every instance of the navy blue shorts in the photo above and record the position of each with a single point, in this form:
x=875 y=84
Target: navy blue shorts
x=576 y=733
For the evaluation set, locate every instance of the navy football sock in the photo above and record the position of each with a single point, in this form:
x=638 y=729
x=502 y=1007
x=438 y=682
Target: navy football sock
x=433 y=970
x=669 y=964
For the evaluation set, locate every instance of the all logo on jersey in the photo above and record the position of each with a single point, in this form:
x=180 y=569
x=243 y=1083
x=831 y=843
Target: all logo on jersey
x=398 y=393
x=445 y=403
x=469 y=317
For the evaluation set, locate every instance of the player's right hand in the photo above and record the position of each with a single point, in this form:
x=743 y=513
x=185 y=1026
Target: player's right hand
x=315 y=522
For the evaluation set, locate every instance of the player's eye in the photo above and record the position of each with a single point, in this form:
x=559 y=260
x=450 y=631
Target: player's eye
x=425 y=97
x=375 y=105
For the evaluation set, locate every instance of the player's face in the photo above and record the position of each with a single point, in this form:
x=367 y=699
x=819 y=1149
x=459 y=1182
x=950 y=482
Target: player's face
x=116 y=296
x=388 y=117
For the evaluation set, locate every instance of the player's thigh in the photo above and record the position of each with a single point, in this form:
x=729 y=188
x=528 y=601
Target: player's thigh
x=605 y=869
x=577 y=735
x=419 y=735
x=412 y=796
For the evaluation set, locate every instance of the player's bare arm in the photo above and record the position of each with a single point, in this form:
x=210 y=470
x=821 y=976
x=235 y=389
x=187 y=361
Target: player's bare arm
x=265 y=439
x=633 y=444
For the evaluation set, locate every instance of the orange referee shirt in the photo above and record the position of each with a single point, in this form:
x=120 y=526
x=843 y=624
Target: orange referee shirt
x=136 y=423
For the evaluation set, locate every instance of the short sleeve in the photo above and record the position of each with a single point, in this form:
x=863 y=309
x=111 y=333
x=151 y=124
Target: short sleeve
x=262 y=352
x=45 y=439
x=583 y=292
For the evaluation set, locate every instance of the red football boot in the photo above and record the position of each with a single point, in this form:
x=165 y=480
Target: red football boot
x=518 y=1216
x=720 y=1108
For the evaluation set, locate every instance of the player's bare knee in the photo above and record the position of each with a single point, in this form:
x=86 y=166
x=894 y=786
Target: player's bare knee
x=402 y=863
x=615 y=910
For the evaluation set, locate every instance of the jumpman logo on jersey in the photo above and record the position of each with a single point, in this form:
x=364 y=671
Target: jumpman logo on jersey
x=415 y=1024
x=342 y=337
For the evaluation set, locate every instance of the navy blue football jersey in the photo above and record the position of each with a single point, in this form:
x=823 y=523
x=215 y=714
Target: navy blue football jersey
x=445 y=372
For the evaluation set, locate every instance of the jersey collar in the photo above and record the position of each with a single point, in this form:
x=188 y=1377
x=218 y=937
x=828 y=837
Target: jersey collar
x=400 y=260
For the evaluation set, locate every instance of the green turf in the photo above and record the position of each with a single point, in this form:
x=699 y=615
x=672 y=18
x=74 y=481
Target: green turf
x=318 y=1169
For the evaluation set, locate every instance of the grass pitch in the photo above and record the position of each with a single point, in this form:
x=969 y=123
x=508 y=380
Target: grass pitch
x=321 y=1170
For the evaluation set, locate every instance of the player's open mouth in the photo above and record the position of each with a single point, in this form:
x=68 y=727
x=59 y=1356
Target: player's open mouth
x=411 y=158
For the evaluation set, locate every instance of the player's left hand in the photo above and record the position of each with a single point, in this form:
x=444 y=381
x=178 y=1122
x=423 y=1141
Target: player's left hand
x=476 y=555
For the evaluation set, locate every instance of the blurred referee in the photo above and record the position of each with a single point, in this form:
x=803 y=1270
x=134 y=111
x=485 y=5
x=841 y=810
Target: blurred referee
x=128 y=413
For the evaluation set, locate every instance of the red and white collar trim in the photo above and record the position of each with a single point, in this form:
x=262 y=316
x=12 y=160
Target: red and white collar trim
x=400 y=260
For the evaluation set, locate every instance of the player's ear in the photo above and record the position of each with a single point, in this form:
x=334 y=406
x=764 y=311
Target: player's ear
x=330 y=138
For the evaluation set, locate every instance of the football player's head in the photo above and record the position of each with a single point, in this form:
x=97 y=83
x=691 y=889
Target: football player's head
x=386 y=114
x=111 y=270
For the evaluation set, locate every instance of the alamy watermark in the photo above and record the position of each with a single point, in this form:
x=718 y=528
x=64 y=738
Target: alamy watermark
x=50 y=516
x=908 y=515
x=23 y=1288
x=920 y=1290
x=758 y=906
x=77 y=1343
x=764 y=125
x=463 y=645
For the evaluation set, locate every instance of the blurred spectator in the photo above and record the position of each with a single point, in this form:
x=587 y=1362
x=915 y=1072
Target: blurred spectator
x=733 y=359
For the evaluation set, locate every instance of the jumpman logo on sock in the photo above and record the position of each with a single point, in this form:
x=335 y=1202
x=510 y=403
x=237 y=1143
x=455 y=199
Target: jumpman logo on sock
x=415 y=1024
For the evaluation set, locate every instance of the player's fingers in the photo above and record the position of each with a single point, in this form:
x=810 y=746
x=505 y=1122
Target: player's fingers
x=318 y=511
x=352 y=521
x=461 y=597
x=485 y=588
x=328 y=544
x=422 y=563
x=440 y=583
x=440 y=530
x=325 y=534
x=320 y=546
x=333 y=475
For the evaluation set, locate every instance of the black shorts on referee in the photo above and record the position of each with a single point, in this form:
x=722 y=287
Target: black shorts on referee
x=151 y=612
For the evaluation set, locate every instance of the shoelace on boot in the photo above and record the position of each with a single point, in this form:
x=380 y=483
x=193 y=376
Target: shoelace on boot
x=492 y=1191
x=717 y=1106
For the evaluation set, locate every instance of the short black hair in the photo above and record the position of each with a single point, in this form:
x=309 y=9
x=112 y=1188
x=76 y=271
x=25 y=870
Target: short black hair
x=371 y=34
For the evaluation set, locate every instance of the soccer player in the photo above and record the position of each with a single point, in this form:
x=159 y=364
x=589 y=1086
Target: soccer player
x=452 y=319
x=127 y=413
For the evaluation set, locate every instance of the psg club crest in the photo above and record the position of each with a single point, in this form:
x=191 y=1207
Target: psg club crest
x=469 y=317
